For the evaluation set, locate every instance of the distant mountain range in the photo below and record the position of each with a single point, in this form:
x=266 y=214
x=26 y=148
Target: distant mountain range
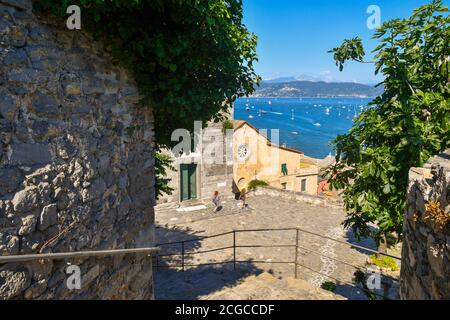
x=301 y=77
x=288 y=88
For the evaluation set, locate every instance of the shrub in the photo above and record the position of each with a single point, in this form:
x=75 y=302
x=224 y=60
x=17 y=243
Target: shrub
x=329 y=286
x=255 y=184
x=384 y=262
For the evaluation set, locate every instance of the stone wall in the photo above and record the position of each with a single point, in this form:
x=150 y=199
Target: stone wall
x=217 y=176
x=74 y=175
x=210 y=175
x=425 y=270
x=299 y=196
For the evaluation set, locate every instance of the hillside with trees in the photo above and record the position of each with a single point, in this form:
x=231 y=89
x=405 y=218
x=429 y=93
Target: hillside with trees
x=300 y=89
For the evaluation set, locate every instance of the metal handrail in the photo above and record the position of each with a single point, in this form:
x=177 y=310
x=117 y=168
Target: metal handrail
x=296 y=246
x=325 y=237
x=340 y=261
x=351 y=244
x=282 y=229
x=75 y=254
x=193 y=240
x=196 y=252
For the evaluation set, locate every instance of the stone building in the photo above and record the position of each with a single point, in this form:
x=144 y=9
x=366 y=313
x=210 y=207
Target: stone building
x=425 y=269
x=257 y=157
x=73 y=176
x=204 y=170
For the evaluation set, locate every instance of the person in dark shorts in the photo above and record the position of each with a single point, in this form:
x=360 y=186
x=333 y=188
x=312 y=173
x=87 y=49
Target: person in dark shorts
x=216 y=200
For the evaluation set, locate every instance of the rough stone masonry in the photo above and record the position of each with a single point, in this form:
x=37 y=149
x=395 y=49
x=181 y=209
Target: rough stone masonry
x=76 y=162
x=425 y=270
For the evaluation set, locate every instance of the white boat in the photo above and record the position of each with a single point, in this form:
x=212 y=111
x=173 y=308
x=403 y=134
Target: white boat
x=250 y=117
x=294 y=132
x=317 y=124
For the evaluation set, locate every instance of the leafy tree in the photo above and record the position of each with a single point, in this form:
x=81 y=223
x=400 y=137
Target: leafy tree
x=163 y=162
x=403 y=128
x=191 y=58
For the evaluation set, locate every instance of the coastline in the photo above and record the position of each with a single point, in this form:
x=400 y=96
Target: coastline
x=310 y=128
x=305 y=97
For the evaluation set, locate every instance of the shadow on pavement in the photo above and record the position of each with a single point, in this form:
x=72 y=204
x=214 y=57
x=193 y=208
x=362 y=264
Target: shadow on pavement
x=174 y=284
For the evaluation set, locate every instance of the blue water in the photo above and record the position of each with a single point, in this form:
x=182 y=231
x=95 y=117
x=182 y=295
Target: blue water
x=312 y=124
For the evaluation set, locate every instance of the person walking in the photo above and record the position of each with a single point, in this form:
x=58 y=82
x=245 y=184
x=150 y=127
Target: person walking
x=216 y=201
x=242 y=198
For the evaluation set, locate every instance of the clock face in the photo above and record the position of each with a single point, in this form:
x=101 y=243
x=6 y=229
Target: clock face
x=243 y=152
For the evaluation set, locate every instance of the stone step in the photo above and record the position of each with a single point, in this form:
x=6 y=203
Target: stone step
x=267 y=287
x=166 y=206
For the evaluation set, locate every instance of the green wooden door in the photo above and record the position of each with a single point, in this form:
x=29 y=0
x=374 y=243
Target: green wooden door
x=193 y=181
x=188 y=181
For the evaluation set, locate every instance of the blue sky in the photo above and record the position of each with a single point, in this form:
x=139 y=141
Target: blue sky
x=295 y=35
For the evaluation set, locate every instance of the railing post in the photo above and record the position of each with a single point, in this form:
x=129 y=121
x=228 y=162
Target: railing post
x=296 y=253
x=234 y=250
x=182 y=255
x=385 y=291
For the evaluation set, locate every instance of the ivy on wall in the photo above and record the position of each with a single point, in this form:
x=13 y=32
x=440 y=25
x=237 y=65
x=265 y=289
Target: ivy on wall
x=190 y=58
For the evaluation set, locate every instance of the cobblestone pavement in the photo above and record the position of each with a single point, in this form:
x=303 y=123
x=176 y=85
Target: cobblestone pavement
x=263 y=212
x=267 y=287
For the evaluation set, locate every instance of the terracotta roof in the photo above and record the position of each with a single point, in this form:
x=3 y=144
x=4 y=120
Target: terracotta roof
x=240 y=123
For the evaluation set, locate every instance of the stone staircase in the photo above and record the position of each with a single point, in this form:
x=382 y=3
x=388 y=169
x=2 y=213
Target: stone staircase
x=267 y=287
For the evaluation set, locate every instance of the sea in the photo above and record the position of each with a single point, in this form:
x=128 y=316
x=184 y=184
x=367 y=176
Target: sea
x=305 y=124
